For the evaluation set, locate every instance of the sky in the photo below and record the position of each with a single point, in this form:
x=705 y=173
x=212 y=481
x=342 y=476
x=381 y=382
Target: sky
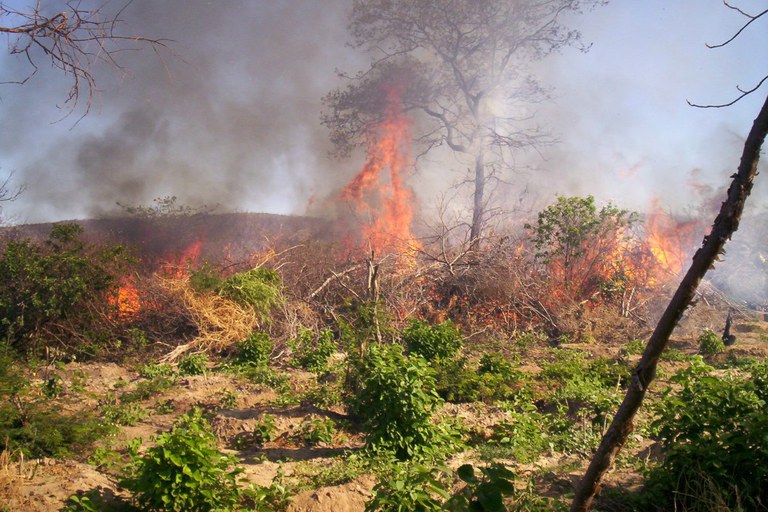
x=229 y=114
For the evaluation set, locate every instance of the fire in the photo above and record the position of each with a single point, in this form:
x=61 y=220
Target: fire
x=128 y=302
x=178 y=265
x=385 y=203
x=669 y=239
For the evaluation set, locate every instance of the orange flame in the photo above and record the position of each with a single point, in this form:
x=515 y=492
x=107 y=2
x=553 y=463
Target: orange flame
x=669 y=239
x=387 y=204
x=178 y=266
x=127 y=302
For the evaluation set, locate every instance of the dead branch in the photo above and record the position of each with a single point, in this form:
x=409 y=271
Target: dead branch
x=73 y=41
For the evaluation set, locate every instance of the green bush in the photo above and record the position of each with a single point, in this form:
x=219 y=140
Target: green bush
x=315 y=431
x=147 y=389
x=312 y=352
x=205 y=279
x=395 y=402
x=710 y=344
x=34 y=425
x=255 y=349
x=715 y=448
x=410 y=487
x=151 y=370
x=62 y=288
x=484 y=492
x=432 y=342
x=458 y=382
x=258 y=288
x=184 y=471
x=193 y=364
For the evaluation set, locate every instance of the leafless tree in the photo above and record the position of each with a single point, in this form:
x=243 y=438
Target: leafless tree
x=462 y=67
x=73 y=40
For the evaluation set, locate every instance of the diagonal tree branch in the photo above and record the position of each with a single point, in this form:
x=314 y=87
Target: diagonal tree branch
x=726 y=223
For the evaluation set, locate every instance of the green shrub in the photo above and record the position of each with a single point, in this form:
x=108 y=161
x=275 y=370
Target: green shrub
x=432 y=342
x=456 y=381
x=125 y=415
x=184 y=471
x=315 y=431
x=255 y=349
x=151 y=370
x=147 y=389
x=312 y=352
x=34 y=425
x=227 y=399
x=410 y=486
x=205 y=279
x=265 y=429
x=713 y=436
x=263 y=376
x=484 y=492
x=324 y=396
x=710 y=344
x=258 y=288
x=62 y=289
x=193 y=364
x=395 y=402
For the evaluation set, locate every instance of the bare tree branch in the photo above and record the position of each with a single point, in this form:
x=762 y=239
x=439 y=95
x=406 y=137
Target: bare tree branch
x=743 y=27
x=738 y=88
x=73 y=41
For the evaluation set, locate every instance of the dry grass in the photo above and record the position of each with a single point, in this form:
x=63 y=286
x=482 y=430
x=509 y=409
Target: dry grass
x=220 y=322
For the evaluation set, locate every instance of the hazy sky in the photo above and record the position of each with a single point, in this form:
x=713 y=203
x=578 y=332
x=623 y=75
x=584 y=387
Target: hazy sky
x=231 y=114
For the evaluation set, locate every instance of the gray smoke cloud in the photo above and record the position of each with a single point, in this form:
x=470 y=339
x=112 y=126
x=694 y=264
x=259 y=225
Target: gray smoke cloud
x=229 y=114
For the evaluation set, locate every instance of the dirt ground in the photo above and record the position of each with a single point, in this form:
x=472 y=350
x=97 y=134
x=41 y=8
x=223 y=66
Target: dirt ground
x=44 y=485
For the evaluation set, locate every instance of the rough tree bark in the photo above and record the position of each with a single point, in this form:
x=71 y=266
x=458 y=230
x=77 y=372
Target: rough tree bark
x=726 y=223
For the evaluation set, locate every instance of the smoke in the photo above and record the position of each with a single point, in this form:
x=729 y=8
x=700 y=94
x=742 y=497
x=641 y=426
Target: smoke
x=228 y=114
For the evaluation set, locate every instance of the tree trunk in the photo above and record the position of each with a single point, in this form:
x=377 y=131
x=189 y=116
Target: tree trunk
x=478 y=207
x=726 y=223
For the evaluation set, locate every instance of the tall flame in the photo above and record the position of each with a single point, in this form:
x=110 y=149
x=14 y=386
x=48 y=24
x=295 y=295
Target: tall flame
x=385 y=203
x=669 y=239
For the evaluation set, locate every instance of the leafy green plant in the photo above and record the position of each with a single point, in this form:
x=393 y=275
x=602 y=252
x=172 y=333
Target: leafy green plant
x=193 y=364
x=184 y=471
x=324 y=396
x=151 y=370
x=227 y=399
x=713 y=435
x=312 y=352
x=274 y=498
x=395 y=403
x=259 y=288
x=410 y=486
x=123 y=414
x=572 y=236
x=456 y=381
x=34 y=425
x=315 y=431
x=483 y=492
x=634 y=347
x=147 y=389
x=710 y=344
x=441 y=341
x=60 y=289
x=255 y=349
x=205 y=279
